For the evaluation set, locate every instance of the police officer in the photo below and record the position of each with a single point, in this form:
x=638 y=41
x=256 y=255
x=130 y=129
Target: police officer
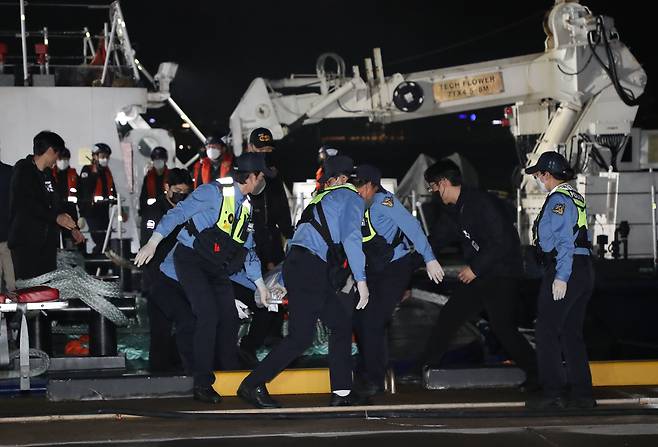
x=96 y=193
x=389 y=231
x=65 y=180
x=215 y=243
x=562 y=240
x=154 y=180
x=217 y=163
x=166 y=303
x=314 y=271
x=34 y=211
x=490 y=281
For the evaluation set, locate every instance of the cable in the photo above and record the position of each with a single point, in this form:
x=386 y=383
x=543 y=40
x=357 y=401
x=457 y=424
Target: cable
x=594 y=39
x=467 y=41
x=579 y=71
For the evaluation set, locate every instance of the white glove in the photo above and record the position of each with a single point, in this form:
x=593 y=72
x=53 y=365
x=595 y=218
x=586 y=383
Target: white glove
x=145 y=254
x=435 y=271
x=263 y=291
x=559 y=289
x=242 y=309
x=273 y=308
x=362 y=287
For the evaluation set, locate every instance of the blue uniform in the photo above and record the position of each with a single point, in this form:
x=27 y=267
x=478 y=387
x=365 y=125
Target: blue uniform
x=344 y=211
x=203 y=206
x=387 y=215
x=556 y=232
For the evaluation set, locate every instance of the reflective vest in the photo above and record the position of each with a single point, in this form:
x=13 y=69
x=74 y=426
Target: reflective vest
x=579 y=228
x=151 y=180
x=320 y=195
x=367 y=230
x=71 y=184
x=203 y=169
x=236 y=227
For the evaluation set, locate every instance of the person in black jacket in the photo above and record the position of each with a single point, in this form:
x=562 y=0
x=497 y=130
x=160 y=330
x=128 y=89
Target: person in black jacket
x=490 y=280
x=166 y=302
x=34 y=210
x=7 y=277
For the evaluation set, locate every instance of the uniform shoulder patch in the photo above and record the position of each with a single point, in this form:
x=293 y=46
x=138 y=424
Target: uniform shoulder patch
x=559 y=209
x=388 y=201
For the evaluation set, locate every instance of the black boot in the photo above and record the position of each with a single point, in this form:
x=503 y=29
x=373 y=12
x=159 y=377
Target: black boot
x=257 y=396
x=206 y=394
x=352 y=399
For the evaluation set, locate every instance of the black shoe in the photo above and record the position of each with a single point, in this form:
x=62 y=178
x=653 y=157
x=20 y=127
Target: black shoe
x=546 y=403
x=352 y=399
x=207 y=395
x=257 y=396
x=581 y=403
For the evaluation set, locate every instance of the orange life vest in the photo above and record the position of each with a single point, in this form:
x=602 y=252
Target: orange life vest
x=71 y=181
x=98 y=192
x=203 y=169
x=151 y=183
x=318 y=176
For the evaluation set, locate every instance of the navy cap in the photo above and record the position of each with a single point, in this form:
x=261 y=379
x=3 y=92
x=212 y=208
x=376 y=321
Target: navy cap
x=337 y=165
x=261 y=137
x=252 y=162
x=368 y=173
x=553 y=163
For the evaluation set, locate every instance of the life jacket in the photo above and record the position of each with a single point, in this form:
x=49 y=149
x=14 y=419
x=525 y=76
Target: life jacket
x=579 y=228
x=222 y=245
x=71 y=184
x=203 y=169
x=98 y=190
x=151 y=180
x=318 y=175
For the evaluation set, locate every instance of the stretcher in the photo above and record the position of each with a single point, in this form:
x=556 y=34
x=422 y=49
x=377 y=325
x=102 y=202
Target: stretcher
x=21 y=302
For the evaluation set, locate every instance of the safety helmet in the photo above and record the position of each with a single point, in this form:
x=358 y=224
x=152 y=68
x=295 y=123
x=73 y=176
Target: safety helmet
x=159 y=153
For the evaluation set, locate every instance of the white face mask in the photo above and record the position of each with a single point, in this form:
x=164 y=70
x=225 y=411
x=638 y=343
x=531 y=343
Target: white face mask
x=62 y=164
x=260 y=187
x=213 y=153
x=103 y=162
x=159 y=164
x=540 y=185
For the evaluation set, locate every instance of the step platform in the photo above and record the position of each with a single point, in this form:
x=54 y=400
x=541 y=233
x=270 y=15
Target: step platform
x=290 y=381
x=604 y=373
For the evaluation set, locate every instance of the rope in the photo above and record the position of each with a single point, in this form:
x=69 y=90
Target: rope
x=73 y=281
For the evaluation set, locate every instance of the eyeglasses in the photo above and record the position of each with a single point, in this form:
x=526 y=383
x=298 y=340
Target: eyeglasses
x=430 y=186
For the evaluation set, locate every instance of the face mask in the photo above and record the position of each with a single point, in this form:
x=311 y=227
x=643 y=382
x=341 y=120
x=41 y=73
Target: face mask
x=213 y=153
x=540 y=185
x=62 y=164
x=103 y=162
x=178 y=196
x=159 y=164
x=260 y=187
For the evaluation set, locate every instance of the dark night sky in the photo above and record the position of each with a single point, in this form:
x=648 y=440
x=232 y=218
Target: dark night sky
x=222 y=45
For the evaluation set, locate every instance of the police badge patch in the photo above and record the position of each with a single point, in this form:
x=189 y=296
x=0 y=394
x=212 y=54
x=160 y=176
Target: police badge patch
x=559 y=209
x=388 y=201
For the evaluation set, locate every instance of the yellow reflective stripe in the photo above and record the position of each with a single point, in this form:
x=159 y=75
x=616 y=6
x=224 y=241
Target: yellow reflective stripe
x=326 y=191
x=580 y=206
x=227 y=217
x=371 y=230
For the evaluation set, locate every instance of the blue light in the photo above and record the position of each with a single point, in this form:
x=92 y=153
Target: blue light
x=462 y=116
x=473 y=117
x=151 y=120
